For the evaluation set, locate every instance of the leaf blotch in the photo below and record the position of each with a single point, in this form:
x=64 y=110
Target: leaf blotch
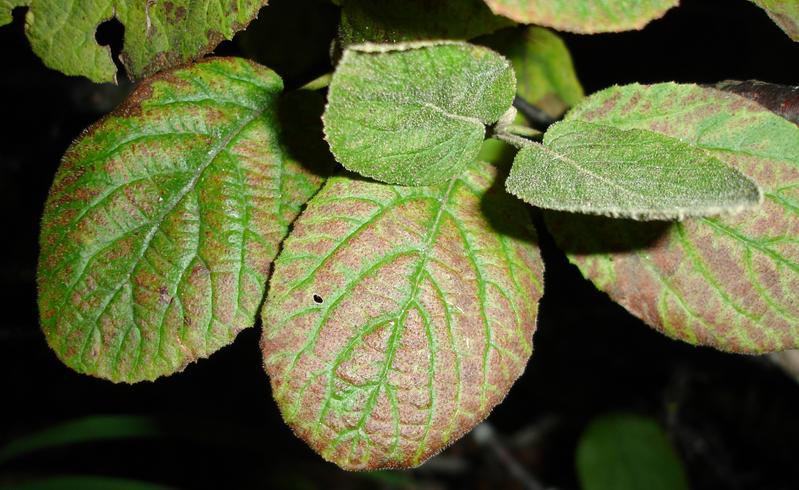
x=427 y=317
x=163 y=220
x=729 y=282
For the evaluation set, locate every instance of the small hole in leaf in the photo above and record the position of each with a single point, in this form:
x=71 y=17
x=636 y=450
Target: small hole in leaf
x=18 y=15
x=111 y=33
x=317 y=299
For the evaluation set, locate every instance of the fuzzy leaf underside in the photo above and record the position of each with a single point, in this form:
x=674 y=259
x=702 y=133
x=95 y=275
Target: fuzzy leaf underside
x=784 y=13
x=415 y=114
x=415 y=20
x=158 y=35
x=543 y=65
x=398 y=317
x=598 y=169
x=728 y=282
x=163 y=220
x=584 y=16
x=628 y=452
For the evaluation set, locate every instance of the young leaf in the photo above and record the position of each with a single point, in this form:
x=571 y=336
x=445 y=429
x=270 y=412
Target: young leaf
x=415 y=114
x=395 y=21
x=544 y=69
x=398 y=317
x=158 y=35
x=598 y=169
x=728 y=282
x=628 y=452
x=584 y=16
x=163 y=220
x=784 y=13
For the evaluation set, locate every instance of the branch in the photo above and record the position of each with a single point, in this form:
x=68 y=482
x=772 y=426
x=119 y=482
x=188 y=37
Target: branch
x=537 y=118
x=318 y=83
x=484 y=435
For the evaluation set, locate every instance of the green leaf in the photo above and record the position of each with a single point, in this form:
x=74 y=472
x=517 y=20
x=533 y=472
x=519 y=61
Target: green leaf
x=415 y=114
x=598 y=169
x=784 y=13
x=398 y=317
x=87 y=482
x=88 y=429
x=584 y=16
x=158 y=35
x=628 y=452
x=395 y=21
x=727 y=282
x=543 y=66
x=163 y=220
x=7 y=6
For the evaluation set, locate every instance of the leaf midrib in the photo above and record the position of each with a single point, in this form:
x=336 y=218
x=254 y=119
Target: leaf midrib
x=224 y=142
x=396 y=335
x=573 y=163
x=450 y=115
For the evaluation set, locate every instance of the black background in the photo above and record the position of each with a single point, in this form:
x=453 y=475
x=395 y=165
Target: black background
x=734 y=419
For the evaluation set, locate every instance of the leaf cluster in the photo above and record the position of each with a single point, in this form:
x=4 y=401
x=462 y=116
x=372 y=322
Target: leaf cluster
x=399 y=294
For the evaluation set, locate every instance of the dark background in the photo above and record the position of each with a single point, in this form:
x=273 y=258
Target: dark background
x=734 y=419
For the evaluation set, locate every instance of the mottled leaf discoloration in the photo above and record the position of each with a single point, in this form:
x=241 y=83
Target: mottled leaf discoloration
x=163 y=220
x=397 y=317
x=584 y=16
x=158 y=34
x=726 y=282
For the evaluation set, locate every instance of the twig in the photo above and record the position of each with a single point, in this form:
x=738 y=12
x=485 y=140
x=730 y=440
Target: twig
x=524 y=131
x=485 y=435
x=536 y=116
x=318 y=83
x=512 y=139
x=788 y=360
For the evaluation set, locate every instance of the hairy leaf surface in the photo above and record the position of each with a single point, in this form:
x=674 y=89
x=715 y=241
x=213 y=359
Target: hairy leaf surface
x=729 y=282
x=628 y=452
x=598 y=169
x=158 y=34
x=163 y=220
x=398 y=317
x=784 y=13
x=584 y=16
x=395 y=21
x=415 y=114
x=543 y=66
